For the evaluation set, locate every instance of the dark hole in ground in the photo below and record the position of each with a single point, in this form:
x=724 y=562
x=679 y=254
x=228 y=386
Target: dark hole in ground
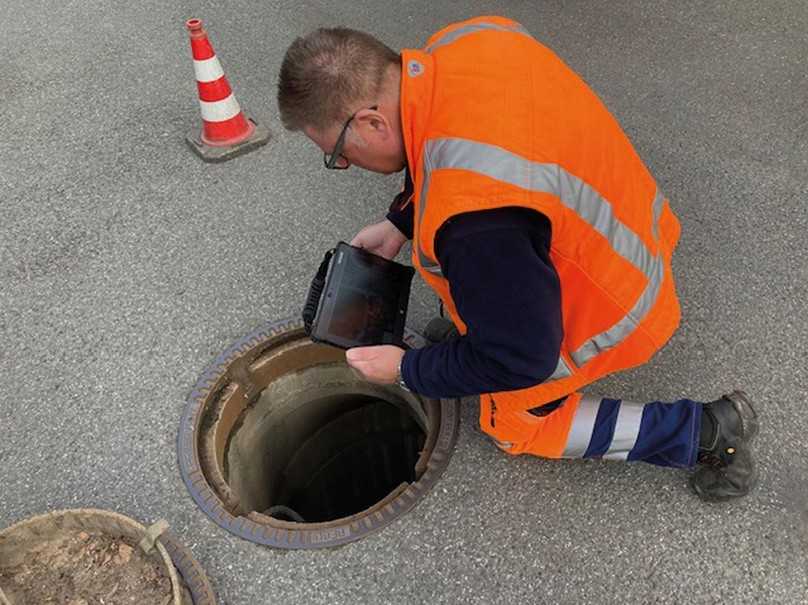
x=352 y=462
x=323 y=459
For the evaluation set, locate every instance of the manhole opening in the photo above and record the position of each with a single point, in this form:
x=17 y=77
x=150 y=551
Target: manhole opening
x=316 y=460
x=283 y=444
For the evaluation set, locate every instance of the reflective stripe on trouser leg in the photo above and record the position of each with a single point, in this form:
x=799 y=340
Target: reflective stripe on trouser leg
x=582 y=427
x=669 y=434
x=609 y=430
x=604 y=428
x=516 y=431
x=664 y=434
x=626 y=430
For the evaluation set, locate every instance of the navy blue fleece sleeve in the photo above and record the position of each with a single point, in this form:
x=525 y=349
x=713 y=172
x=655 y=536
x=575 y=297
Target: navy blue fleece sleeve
x=401 y=212
x=508 y=294
x=403 y=220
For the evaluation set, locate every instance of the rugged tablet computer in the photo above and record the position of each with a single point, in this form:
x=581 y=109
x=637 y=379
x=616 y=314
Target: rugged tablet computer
x=358 y=299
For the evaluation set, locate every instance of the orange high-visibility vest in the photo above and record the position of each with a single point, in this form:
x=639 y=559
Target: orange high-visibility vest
x=492 y=118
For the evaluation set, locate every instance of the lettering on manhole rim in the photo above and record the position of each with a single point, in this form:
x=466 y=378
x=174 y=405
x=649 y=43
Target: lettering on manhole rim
x=326 y=535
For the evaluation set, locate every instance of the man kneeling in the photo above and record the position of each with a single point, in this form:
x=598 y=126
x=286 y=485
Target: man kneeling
x=538 y=226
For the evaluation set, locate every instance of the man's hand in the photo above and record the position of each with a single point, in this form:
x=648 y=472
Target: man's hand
x=382 y=239
x=377 y=364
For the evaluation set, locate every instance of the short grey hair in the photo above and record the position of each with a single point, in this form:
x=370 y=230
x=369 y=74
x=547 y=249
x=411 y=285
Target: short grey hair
x=326 y=74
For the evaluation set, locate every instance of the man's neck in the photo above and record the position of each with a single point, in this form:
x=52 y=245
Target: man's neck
x=390 y=99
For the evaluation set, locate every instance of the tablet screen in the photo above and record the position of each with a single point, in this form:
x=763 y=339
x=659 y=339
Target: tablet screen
x=363 y=317
x=367 y=302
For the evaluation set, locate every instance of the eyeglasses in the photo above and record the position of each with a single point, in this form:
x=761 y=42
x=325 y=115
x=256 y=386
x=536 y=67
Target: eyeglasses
x=335 y=160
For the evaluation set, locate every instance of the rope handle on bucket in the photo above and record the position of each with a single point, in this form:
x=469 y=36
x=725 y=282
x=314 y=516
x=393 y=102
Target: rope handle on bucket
x=153 y=532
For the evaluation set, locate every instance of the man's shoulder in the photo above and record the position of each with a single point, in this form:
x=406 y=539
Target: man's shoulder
x=474 y=23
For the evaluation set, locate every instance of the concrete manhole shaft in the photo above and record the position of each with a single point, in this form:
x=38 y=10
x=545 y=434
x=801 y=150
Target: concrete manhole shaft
x=282 y=444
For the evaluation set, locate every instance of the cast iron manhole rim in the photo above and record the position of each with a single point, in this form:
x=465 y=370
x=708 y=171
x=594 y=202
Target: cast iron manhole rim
x=189 y=569
x=283 y=534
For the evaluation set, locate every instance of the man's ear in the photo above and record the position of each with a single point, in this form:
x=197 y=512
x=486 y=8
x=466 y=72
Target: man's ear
x=374 y=122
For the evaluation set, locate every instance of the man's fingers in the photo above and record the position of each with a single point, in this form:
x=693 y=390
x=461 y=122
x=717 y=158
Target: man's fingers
x=362 y=369
x=359 y=364
x=365 y=368
x=361 y=354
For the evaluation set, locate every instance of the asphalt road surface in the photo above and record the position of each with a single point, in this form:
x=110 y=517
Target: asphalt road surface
x=127 y=265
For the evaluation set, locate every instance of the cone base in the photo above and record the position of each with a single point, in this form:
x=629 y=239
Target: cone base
x=208 y=153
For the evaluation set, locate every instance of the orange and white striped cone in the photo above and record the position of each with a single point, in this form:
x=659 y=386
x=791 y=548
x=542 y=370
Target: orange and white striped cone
x=226 y=132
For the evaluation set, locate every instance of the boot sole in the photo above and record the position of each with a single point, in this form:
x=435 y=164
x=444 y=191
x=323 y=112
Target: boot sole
x=708 y=497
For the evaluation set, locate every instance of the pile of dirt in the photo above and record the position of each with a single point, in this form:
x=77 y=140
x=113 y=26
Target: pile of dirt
x=72 y=567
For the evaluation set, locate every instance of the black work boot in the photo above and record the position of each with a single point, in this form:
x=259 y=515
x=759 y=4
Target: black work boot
x=726 y=468
x=440 y=329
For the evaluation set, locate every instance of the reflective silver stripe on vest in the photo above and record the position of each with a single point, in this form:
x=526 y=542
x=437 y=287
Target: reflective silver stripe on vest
x=562 y=370
x=502 y=165
x=426 y=263
x=453 y=35
x=626 y=431
x=623 y=328
x=582 y=427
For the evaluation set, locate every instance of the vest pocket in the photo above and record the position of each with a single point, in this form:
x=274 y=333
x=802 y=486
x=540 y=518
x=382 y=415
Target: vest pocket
x=506 y=425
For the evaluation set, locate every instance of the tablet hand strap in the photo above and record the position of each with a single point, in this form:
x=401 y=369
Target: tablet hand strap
x=315 y=293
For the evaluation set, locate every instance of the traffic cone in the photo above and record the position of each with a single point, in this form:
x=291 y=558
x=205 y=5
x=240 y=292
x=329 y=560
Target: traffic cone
x=226 y=132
